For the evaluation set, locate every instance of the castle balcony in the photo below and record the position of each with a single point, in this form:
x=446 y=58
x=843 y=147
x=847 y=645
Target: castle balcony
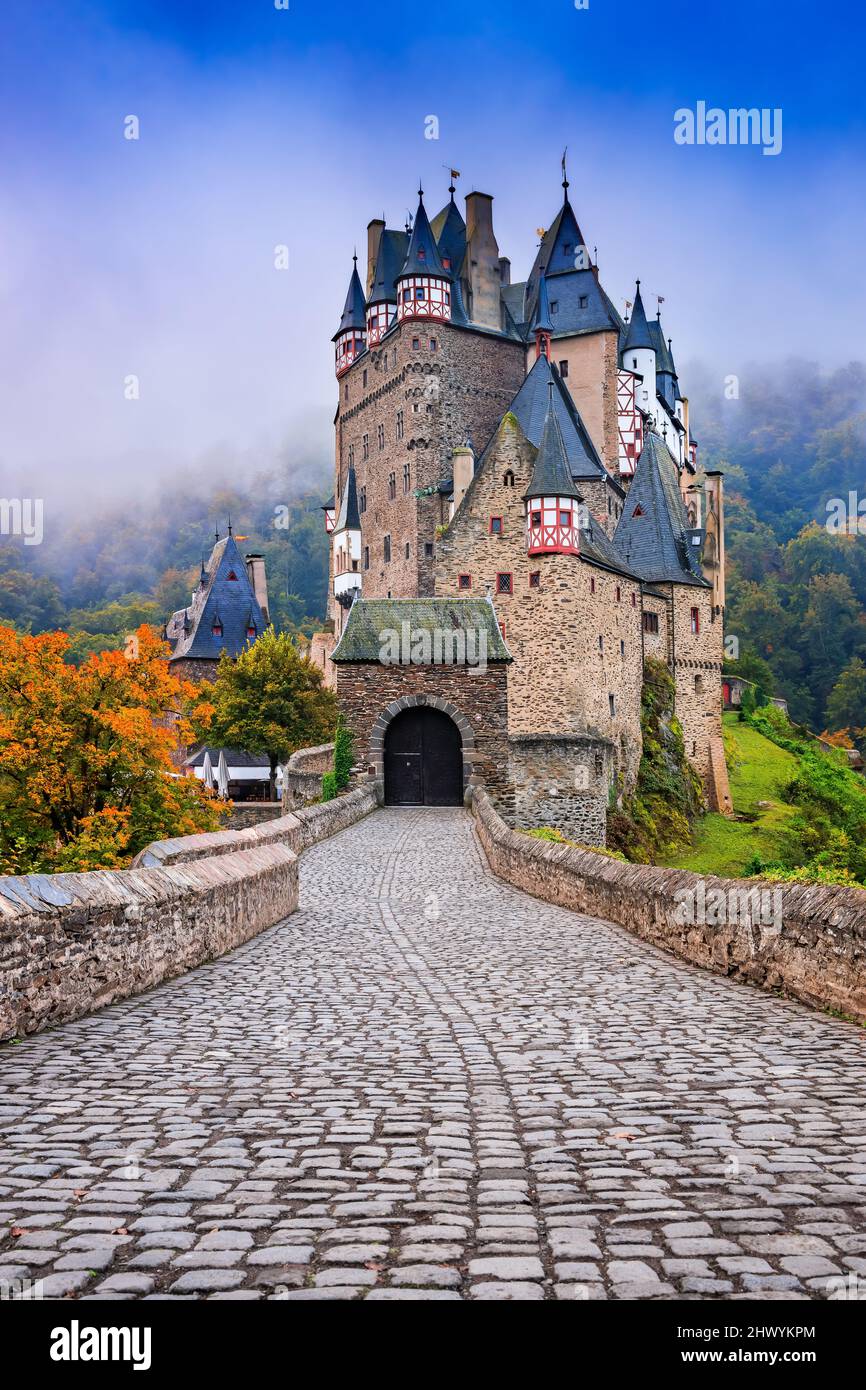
x=552 y=526
x=424 y=297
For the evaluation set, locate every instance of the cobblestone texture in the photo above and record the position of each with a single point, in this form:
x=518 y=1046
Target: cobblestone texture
x=427 y=1085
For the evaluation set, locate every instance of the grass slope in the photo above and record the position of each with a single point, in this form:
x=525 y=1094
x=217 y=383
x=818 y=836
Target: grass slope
x=757 y=769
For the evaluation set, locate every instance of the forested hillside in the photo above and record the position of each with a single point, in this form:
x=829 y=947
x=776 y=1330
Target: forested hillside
x=794 y=441
x=100 y=576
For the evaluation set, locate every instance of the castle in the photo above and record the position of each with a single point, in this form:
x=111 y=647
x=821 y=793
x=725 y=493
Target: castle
x=515 y=467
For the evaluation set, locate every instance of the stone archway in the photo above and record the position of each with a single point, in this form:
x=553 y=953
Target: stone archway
x=379 y=734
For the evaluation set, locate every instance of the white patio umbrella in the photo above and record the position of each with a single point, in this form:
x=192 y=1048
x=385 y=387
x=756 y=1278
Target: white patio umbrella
x=223 y=776
x=207 y=770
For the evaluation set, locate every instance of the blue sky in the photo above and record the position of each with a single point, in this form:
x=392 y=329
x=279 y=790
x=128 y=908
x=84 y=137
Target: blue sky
x=262 y=127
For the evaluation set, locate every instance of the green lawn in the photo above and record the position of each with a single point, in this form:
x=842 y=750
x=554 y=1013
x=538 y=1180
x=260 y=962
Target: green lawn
x=757 y=770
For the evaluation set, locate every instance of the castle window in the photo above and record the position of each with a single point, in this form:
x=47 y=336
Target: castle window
x=386 y=550
x=407 y=477
x=232 y=577
x=366 y=557
x=508 y=478
x=464 y=581
x=699 y=685
x=634 y=599
x=428 y=549
x=365 y=376
x=392 y=486
x=446 y=262
x=251 y=632
x=501 y=625
x=638 y=511
x=554 y=306
x=432 y=344
x=422 y=254
x=380 y=436
x=696 y=620
x=496 y=526
x=563 y=369
x=535 y=579
x=351 y=456
x=400 y=425
x=362 y=499
x=407 y=550
x=584 y=301
x=535 y=519
x=420 y=294
x=611 y=701
x=634 y=363
x=600 y=643
x=618 y=594
x=565 y=518
x=346 y=391
x=504 y=584
x=621 y=647
x=416 y=343
x=365 y=445
x=592 y=586
x=650 y=622
x=217 y=628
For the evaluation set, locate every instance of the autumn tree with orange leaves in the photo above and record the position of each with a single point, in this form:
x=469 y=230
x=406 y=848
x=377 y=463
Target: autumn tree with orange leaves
x=85 y=755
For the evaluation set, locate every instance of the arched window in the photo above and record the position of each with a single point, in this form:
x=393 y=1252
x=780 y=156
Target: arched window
x=508 y=478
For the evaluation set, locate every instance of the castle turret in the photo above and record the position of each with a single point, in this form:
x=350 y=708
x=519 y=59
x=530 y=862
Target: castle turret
x=390 y=250
x=639 y=354
x=423 y=285
x=541 y=324
x=552 y=500
x=346 y=540
x=350 y=338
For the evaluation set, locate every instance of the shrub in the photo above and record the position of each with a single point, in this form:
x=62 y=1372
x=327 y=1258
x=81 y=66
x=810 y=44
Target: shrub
x=343 y=756
x=329 y=786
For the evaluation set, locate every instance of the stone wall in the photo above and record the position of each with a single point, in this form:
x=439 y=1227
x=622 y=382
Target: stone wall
x=811 y=945
x=559 y=782
x=302 y=778
x=72 y=943
x=248 y=813
x=475 y=697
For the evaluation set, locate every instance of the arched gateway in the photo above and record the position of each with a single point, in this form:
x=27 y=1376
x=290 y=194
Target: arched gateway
x=423 y=759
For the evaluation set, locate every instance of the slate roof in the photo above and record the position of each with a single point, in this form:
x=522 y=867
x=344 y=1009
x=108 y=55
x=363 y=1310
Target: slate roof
x=541 y=318
x=370 y=619
x=530 y=408
x=349 y=518
x=664 y=361
x=392 y=254
x=231 y=600
x=235 y=757
x=638 y=333
x=551 y=474
x=449 y=230
x=567 y=287
x=654 y=543
x=355 y=308
x=422 y=256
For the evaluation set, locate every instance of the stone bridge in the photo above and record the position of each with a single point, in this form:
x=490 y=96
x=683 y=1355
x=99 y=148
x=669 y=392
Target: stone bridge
x=427 y=1085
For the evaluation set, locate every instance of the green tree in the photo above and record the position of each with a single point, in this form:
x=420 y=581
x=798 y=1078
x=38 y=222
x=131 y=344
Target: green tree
x=271 y=700
x=846 y=704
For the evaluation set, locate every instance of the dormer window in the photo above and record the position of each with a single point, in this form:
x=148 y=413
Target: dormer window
x=638 y=511
x=232 y=577
x=584 y=301
x=422 y=254
x=554 y=306
x=251 y=632
x=217 y=628
x=446 y=262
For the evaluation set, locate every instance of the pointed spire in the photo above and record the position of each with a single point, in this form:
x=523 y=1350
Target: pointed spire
x=354 y=310
x=551 y=476
x=541 y=318
x=350 y=517
x=638 y=335
x=422 y=257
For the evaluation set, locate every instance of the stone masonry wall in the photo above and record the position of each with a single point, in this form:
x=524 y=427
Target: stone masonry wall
x=72 y=943
x=478 y=696
x=574 y=641
x=460 y=388
x=817 y=954
x=697 y=673
x=559 y=782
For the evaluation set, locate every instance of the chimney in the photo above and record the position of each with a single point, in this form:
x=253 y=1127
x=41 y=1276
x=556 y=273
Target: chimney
x=374 y=239
x=482 y=258
x=258 y=579
x=504 y=270
x=463 y=467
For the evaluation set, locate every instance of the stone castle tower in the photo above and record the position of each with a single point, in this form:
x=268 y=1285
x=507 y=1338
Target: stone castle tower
x=522 y=444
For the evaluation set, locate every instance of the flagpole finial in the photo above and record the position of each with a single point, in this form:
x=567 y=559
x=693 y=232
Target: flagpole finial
x=565 y=183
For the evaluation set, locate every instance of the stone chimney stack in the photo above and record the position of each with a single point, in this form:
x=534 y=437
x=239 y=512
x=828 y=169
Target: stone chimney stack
x=374 y=240
x=258 y=579
x=504 y=270
x=482 y=258
x=463 y=466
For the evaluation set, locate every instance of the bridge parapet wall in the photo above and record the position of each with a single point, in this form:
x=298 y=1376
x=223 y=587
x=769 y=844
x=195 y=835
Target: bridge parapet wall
x=72 y=943
x=807 y=941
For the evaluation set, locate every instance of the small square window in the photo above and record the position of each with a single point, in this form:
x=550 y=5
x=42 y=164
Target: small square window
x=565 y=519
x=563 y=369
x=416 y=343
x=496 y=526
x=536 y=518
x=611 y=701
x=535 y=579
x=584 y=301
x=428 y=548
x=432 y=344
x=464 y=581
x=504 y=584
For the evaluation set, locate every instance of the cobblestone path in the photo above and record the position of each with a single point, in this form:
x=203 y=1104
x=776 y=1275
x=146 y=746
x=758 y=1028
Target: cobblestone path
x=427 y=1085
